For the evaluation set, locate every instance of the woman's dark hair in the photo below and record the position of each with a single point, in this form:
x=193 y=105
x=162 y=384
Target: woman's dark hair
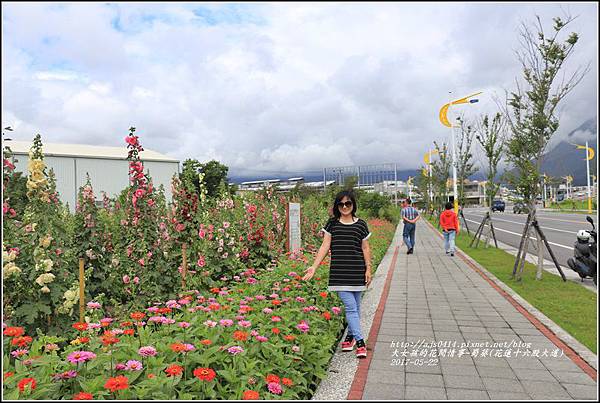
x=449 y=206
x=339 y=197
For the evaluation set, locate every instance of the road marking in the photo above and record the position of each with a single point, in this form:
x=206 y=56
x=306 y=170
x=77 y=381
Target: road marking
x=558 y=219
x=521 y=223
x=535 y=239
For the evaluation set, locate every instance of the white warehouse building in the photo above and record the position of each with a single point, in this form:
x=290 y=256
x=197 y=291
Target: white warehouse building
x=107 y=167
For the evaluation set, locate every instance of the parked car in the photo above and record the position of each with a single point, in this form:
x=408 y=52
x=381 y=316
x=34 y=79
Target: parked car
x=520 y=207
x=498 y=205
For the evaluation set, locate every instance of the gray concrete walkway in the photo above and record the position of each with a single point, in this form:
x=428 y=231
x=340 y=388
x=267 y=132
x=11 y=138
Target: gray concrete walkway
x=437 y=298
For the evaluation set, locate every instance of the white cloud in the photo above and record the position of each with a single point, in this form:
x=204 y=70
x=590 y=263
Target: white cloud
x=269 y=86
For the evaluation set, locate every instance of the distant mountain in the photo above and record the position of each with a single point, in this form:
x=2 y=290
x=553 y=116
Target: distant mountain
x=566 y=159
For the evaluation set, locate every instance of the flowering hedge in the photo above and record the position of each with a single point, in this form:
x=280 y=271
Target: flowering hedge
x=271 y=338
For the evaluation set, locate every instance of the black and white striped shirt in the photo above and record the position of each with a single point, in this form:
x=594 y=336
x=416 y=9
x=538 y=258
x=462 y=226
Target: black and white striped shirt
x=347 y=268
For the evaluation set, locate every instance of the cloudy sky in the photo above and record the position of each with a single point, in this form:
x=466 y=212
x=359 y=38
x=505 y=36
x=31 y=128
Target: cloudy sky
x=270 y=87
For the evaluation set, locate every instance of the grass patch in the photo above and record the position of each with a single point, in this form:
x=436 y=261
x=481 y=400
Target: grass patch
x=568 y=304
x=570 y=205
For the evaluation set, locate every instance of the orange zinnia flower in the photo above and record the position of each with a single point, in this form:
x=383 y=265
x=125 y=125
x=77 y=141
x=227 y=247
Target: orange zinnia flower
x=83 y=396
x=250 y=395
x=289 y=337
x=327 y=315
x=272 y=378
x=14 y=331
x=129 y=332
x=109 y=339
x=204 y=374
x=275 y=330
x=276 y=302
x=119 y=383
x=287 y=381
x=239 y=335
x=174 y=370
x=178 y=347
x=137 y=316
x=323 y=294
x=81 y=326
x=21 y=341
x=206 y=342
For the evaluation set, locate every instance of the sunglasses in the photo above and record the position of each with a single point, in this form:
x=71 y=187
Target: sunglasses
x=347 y=204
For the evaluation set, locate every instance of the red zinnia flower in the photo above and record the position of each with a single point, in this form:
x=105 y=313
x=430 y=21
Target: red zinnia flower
x=83 y=339
x=276 y=302
x=323 y=294
x=14 y=331
x=137 y=316
x=126 y=324
x=23 y=383
x=250 y=395
x=272 y=378
x=83 y=396
x=275 y=330
x=204 y=374
x=327 y=315
x=129 y=332
x=174 y=370
x=239 y=335
x=289 y=337
x=287 y=381
x=81 y=326
x=21 y=341
x=119 y=383
x=8 y=375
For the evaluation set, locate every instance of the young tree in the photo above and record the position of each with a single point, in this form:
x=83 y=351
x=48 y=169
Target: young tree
x=440 y=171
x=491 y=136
x=531 y=109
x=465 y=167
x=214 y=174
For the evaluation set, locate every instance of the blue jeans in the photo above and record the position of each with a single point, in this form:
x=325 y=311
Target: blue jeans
x=408 y=233
x=351 y=300
x=449 y=241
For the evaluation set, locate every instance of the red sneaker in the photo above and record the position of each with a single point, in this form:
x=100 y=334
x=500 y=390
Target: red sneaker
x=361 y=352
x=348 y=343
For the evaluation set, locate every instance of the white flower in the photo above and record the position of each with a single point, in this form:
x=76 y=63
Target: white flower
x=45 y=289
x=44 y=279
x=9 y=269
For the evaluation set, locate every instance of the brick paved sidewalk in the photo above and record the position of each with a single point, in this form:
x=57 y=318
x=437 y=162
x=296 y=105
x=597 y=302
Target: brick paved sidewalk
x=435 y=297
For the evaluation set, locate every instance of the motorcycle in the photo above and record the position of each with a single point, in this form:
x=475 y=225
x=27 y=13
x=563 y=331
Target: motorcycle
x=584 y=261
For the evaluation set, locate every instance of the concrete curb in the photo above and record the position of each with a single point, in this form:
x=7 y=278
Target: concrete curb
x=343 y=366
x=566 y=338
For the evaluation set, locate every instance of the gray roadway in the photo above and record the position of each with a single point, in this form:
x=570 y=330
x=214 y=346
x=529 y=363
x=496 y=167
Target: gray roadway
x=559 y=228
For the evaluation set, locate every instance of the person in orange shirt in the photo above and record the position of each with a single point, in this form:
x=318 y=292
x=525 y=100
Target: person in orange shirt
x=449 y=224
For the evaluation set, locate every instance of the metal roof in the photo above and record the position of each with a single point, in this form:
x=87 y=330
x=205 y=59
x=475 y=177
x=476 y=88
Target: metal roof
x=86 y=151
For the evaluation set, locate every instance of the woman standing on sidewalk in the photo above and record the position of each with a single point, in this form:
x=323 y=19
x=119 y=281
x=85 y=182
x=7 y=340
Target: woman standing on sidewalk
x=449 y=224
x=350 y=268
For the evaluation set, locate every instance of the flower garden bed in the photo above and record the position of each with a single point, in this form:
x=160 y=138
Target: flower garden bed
x=266 y=339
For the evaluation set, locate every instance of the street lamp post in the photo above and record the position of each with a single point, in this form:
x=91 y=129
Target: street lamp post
x=446 y=122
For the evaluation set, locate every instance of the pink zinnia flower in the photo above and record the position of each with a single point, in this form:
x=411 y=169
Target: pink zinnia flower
x=303 y=327
x=300 y=299
x=183 y=325
x=147 y=351
x=244 y=323
x=189 y=347
x=126 y=279
x=235 y=350
x=267 y=310
x=80 y=356
x=226 y=322
x=19 y=352
x=133 y=365
x=260 y=297
x=261 y=338
x=275 y=319
x=210 y=323
x=274 y=388
x=93 y=305
x=336 y=310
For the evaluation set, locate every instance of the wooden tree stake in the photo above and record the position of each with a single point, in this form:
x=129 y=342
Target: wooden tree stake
x=81 y=288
